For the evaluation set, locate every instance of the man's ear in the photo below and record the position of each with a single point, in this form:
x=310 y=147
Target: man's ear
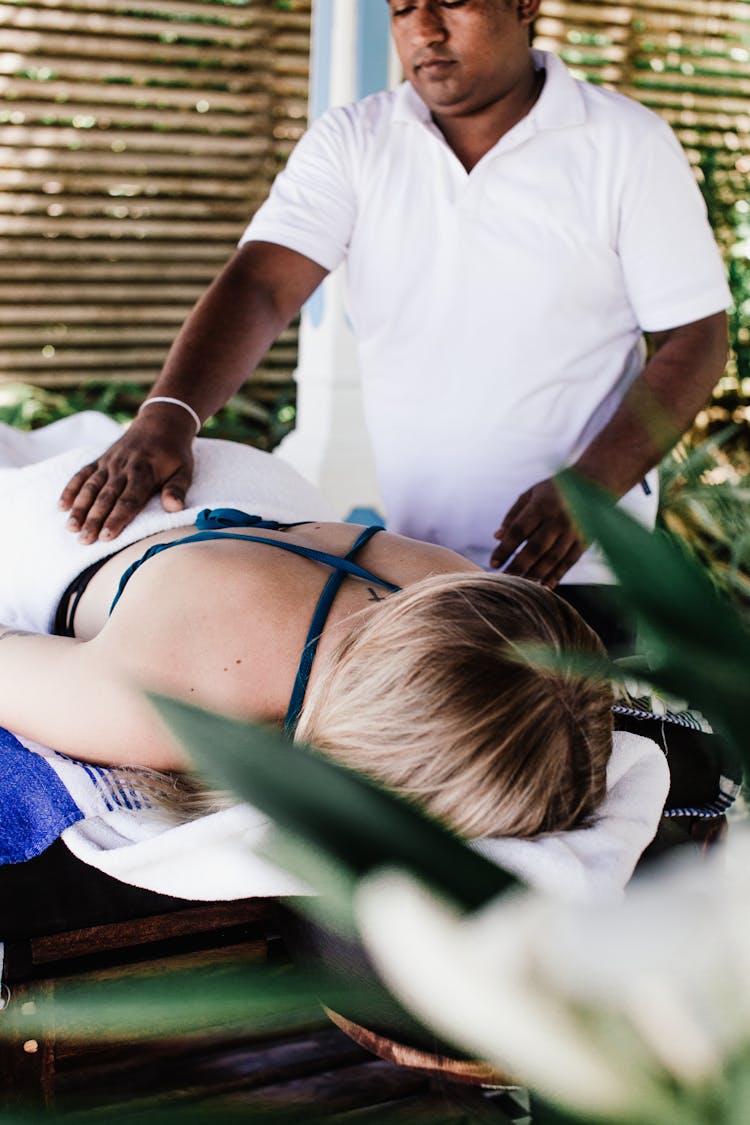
x=528 y=10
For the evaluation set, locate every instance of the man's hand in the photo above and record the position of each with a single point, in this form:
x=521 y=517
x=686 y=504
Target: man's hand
x=660 y=405
x=154 y=454
x=540 y=520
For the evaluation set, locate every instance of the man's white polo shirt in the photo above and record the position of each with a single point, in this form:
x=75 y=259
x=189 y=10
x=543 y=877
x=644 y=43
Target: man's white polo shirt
x=499 y=313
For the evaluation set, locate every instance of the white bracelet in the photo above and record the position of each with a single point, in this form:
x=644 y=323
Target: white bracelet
x=173 y=402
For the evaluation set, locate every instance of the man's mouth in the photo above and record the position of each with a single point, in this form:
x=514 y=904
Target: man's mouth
x=434 y=65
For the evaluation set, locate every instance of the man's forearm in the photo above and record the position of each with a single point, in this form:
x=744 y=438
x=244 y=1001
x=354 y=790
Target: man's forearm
x=662 y=403
x=538 y=537
x=234 y=324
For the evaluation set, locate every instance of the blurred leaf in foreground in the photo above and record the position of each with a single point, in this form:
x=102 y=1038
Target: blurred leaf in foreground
x=172 y=1003
x=696 y=644
x=359 y=824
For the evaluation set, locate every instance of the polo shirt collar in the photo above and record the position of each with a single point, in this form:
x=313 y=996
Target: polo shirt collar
x=559 y=105
x=408 y=107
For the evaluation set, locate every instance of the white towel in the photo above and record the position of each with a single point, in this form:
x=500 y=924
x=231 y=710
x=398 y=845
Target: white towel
x=125 y=833
x=213 y=858
x=591 y=863
x=40 y=557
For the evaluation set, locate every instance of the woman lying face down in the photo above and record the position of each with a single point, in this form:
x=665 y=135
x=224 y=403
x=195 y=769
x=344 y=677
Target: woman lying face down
x=419 y=677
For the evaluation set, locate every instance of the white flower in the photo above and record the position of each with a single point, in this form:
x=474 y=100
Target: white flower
x=655 y=700
x=611 y=1009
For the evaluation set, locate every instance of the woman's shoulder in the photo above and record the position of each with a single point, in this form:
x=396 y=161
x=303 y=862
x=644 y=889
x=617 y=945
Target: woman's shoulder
x=403 y=560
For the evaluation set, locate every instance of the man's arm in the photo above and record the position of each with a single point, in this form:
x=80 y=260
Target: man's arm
x=662 y=403
x=228 y=332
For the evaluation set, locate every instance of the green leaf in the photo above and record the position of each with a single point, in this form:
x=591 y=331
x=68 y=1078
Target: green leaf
x=222 y=1000
x=689 y=464
x=581 y=664
x=359 y=824
x=174 y=1002
x=333 y=906
x=696 y=643
x=659 y=580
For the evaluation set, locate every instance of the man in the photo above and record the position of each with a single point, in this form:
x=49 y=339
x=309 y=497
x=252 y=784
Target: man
x=509 y=234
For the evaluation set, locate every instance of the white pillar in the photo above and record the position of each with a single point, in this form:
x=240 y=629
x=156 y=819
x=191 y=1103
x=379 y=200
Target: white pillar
x=351 y=57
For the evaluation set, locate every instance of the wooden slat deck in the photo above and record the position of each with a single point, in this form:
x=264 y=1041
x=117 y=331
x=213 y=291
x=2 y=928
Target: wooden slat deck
x=309 y=1072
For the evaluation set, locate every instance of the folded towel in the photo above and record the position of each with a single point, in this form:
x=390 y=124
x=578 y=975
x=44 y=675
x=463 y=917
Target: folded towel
x=40 y=557
x=112 y=820
x=35 y=805
x=109 y=820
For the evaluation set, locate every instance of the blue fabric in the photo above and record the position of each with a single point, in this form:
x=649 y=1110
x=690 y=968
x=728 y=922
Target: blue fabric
x=366 y=516
x=35 y=806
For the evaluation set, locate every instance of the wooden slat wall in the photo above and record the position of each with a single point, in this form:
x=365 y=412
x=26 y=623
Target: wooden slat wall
x=687 y=59
x=690 y=61
x=136 y=139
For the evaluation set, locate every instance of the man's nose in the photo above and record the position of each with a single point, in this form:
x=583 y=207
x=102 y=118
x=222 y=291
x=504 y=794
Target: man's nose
x=429 y=26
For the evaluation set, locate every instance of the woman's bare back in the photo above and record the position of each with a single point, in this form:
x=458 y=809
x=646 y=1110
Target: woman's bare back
x=225 y=621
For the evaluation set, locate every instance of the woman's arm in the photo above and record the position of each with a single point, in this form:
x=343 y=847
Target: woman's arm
x=170 y=633
x=79 y=698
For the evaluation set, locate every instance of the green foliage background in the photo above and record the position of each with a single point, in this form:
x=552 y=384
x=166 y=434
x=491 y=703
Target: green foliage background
x=261 y=422
x=729 y=211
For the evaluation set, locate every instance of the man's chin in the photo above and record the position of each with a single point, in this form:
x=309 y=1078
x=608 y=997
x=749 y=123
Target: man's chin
x=439 y=97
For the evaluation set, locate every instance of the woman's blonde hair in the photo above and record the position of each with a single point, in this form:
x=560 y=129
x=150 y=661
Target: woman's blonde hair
x=433 y=695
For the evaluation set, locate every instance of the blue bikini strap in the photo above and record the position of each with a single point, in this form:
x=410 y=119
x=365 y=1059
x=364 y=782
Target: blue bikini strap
x=344 y=565
x=341 y=566
x=212 y=521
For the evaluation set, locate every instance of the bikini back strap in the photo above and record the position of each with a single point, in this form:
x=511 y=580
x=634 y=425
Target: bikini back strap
x=342 y=566
x=336 y=562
